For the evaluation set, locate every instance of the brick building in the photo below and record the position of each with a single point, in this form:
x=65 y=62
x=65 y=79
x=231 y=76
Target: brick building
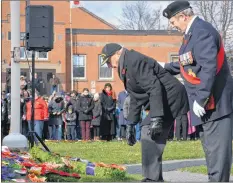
x=89 y=34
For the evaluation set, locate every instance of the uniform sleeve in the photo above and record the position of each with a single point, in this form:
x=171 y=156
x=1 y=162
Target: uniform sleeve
x=205 y=53
x=173 y=68
x=134 y=111
x=146 y=77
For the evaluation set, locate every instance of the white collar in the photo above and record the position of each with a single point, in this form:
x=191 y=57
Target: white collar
x=190 y=24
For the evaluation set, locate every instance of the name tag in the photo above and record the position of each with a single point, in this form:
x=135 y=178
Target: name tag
x=186 y=58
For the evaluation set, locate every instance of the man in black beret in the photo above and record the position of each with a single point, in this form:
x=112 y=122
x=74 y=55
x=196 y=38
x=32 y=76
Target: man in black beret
x=203 y=66
x=161 y=94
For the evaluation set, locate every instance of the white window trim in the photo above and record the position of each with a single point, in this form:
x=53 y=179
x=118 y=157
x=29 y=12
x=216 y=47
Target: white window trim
x=103 y=79
x=85 y=69
x=36 y=56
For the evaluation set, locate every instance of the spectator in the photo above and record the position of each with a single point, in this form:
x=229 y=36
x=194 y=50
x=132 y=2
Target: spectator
x=24 y=99
x=54 y=82
x=4 y=115
x=122 y=121
x=74 y=101
x=56 y=108
x=108 y=102
x=85 y=106
x=23 y=83
x=70 y=118
x=97 y=112
x=40 y=115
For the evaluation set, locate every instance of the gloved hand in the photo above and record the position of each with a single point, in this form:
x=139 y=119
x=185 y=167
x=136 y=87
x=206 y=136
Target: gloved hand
x=130 y=135
x=156 y=127
x=198 y=110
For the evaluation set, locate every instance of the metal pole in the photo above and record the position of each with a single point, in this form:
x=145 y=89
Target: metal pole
x=15 y=140
x=71 y=50
x=33 y=93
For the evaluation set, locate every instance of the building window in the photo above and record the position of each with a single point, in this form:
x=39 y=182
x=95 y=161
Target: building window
x=174 y=58
x=59 y=37
x=42 y=55
x=22 y=35
x=9 y=35
x=2 y=35
x=104 y=71
x=25 y=54
x=79 y=66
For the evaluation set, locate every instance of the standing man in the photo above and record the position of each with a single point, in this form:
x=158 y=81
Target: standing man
x=203 y=66
x=162 y=95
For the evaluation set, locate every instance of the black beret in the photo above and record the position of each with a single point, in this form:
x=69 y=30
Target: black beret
x=109 y=50
x=175 y=7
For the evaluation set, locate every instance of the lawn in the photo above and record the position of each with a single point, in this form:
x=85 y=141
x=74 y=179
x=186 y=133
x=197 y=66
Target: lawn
x=121 y=153
x=199 y=169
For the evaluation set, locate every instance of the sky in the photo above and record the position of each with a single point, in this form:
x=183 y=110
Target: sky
x=111 y=10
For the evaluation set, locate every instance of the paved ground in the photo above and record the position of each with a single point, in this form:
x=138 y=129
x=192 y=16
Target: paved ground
x=171 y=174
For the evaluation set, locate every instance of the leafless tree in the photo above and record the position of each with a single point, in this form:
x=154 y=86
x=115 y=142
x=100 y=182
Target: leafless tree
x=220 y=15
x=139 y=16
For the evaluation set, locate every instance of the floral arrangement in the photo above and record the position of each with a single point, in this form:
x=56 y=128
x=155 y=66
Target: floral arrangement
x=41 y=166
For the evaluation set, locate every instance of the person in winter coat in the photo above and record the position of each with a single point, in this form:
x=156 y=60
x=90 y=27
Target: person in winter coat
x=70 y=117
x=4 y=115
x=85 y=106
x=122 y=121
x=56 y=108
x=40 y=115
x=97 y=113
x=107 y=124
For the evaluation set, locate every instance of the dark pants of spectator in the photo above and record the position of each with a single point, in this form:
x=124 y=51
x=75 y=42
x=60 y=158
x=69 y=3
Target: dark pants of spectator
x=96 y=130
x=123 y=131
x=24 y=128
x=181 y=127
x=5 y=128
x=78 y=131
x=85 y=127
x=55 y=132
x=46 y=131
x=171 y=133
x=70 y=132
x=38 y=128
x=53 y=88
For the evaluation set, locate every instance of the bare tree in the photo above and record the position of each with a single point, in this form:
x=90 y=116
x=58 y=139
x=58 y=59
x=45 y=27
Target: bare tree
x=220 y=15
x=140 y=16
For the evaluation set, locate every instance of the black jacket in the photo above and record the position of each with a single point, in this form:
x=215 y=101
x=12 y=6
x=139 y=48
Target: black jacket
x=85 y=106
x=151 y=86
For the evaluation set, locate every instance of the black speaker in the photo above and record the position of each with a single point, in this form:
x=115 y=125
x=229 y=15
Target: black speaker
x=39 y=28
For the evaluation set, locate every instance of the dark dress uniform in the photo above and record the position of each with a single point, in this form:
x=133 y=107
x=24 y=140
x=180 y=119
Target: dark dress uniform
x=207 y=80
x=163 y=95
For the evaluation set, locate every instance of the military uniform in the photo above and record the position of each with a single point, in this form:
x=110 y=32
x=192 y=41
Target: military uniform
x=149 y=85
x=203 y=66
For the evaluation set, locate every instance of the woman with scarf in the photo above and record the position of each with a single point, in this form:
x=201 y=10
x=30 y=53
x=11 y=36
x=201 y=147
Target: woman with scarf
x=108 y=102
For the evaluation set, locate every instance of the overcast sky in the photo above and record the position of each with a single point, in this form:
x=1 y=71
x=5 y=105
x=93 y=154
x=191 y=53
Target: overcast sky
x=110 y=10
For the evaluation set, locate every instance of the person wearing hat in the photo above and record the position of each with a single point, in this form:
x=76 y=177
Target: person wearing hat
x=163 y=96
x=203 y=66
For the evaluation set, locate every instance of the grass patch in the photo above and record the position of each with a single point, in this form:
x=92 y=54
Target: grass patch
x=121 y=153
x=199 y=169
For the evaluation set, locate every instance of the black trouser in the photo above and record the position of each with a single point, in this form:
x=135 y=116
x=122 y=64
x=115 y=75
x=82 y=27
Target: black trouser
x=152 y=152
x=216 y=138
x=182 y=127
x=123 y=131
x=96 y=130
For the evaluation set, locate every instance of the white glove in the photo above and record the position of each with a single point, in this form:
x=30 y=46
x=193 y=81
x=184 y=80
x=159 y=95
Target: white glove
x=162 y=64
x=198 y=110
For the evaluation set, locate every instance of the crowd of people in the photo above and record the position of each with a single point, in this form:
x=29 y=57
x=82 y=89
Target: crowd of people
x=81 y=116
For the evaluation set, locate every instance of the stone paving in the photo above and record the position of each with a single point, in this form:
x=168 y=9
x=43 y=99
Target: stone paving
x=171 y=174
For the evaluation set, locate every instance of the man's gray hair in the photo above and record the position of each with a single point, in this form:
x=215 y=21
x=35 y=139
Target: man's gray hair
x=188 y=12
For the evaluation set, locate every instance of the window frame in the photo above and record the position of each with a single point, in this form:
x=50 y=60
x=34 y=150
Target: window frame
x=99 y=65
x=85 y=67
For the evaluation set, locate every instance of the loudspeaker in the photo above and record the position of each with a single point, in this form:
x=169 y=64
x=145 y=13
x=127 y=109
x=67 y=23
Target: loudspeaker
x=39 y=28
